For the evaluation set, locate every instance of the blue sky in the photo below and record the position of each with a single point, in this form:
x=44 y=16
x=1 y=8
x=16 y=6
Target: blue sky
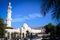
x=25 y=12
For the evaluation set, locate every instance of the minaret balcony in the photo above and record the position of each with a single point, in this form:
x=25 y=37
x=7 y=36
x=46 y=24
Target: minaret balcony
x=9 y=7
x=9 y=19
x=9 y=11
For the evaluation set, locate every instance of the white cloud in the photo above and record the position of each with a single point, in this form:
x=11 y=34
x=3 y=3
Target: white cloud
x=35 y=15
x=28 y=17
x=18 y=20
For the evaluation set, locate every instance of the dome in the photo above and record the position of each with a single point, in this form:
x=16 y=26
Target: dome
x=25 y=25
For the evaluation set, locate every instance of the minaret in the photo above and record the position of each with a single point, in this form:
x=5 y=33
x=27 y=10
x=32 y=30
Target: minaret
x=9 y=19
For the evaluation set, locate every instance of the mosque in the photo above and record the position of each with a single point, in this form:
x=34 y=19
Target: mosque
x=15 y=32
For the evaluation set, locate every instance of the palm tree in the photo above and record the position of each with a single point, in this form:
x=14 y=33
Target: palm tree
x=2 y=28
x=49 y=4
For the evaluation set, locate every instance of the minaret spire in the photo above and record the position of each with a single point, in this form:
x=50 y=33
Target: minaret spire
x=10 y=3
x=9 y=19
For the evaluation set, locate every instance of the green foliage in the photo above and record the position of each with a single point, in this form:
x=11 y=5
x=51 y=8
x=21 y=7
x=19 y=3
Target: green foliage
x=58 y=30
x=49 y=28
x=53 y=30
x=2 y=28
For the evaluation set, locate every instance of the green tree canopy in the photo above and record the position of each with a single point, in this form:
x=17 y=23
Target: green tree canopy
x=49 y=28
x=2 y=28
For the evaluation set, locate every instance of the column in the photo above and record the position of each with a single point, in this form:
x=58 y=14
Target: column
x=10 y=36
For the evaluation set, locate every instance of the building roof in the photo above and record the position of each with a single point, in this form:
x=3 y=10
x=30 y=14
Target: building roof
x=37 y=28
x=9 y=28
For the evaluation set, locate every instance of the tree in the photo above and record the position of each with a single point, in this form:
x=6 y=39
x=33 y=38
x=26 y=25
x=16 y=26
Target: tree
x=49 y=4
x=58 y=30
x=52 y=30
x=2 y=28
x=49 y=28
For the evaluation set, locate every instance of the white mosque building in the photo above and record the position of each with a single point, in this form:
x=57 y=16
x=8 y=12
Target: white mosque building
x=12 y=32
